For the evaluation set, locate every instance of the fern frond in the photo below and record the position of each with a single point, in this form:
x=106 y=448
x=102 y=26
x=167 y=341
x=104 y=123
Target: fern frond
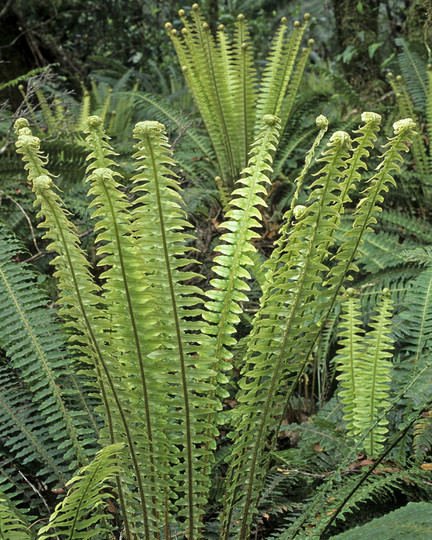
x=12 y=527
x=180 y=351
x=81 y=513
x=79 y=298
x=417 y=317
x=413 y=521
x=428 y=109
x=161 y=110
x=366 y=372
x=349 y=358
x=235 y=246
x=281 y=321
x=279 y=69
x=33 y=342
x=414 y=72
x=119 y=252
x=243 y=97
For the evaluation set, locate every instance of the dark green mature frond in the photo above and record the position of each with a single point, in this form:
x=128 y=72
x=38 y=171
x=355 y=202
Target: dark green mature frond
x=413 y=521
x=160 y=109
x=414 y=72
x=377 y=487
x=417 y=228
x=428 y=110
x=81 y=514
x=35 y=346
x=417 y=317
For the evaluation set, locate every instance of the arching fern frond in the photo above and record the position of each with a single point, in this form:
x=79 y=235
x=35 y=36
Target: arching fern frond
x=36 y=348
x=412 y=521
x=81 y=513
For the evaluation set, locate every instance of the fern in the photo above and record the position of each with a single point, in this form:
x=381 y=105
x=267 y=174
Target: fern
x=223 y=81
x=12 y=527
x=31 y=340
x=81 y=513
x=266 y=367
x=365 y=372
x=154 y=351
x=412 y=521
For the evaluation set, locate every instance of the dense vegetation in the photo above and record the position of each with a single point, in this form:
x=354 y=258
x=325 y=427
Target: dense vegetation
x=215 y=270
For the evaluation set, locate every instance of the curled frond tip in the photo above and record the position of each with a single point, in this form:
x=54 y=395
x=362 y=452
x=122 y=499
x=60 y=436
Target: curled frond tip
x=404 y=125
x=149 y=127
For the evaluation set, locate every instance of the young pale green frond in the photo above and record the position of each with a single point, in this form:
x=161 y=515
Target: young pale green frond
x=235 y=246
x=284 y=331
x=280 y=68
x=294 y=84
x=370 y=205
x=246 y=120
x=373 y=379
x=222 y=78
x=182 y=353
x=80 y=302
x=350 y=357
x=127 y=297
x=204 y=74
x=82 y=514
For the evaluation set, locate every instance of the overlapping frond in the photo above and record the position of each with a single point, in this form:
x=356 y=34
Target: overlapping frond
x=235 y=246
x=82 y=511
x=12 y=526
x=286 y=326
x=365 y=371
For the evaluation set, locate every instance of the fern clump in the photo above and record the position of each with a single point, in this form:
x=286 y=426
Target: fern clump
x=226 y=88
x=156 y=349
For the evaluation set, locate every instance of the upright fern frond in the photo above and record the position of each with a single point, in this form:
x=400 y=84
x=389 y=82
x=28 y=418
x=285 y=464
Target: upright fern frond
x=235 y=246
x=79 y=297
x=243 y=91
x=281 y=321
x=183 y=354
x=413 y=97
x=120 y=254
x=366 y=372
x=349 y=358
